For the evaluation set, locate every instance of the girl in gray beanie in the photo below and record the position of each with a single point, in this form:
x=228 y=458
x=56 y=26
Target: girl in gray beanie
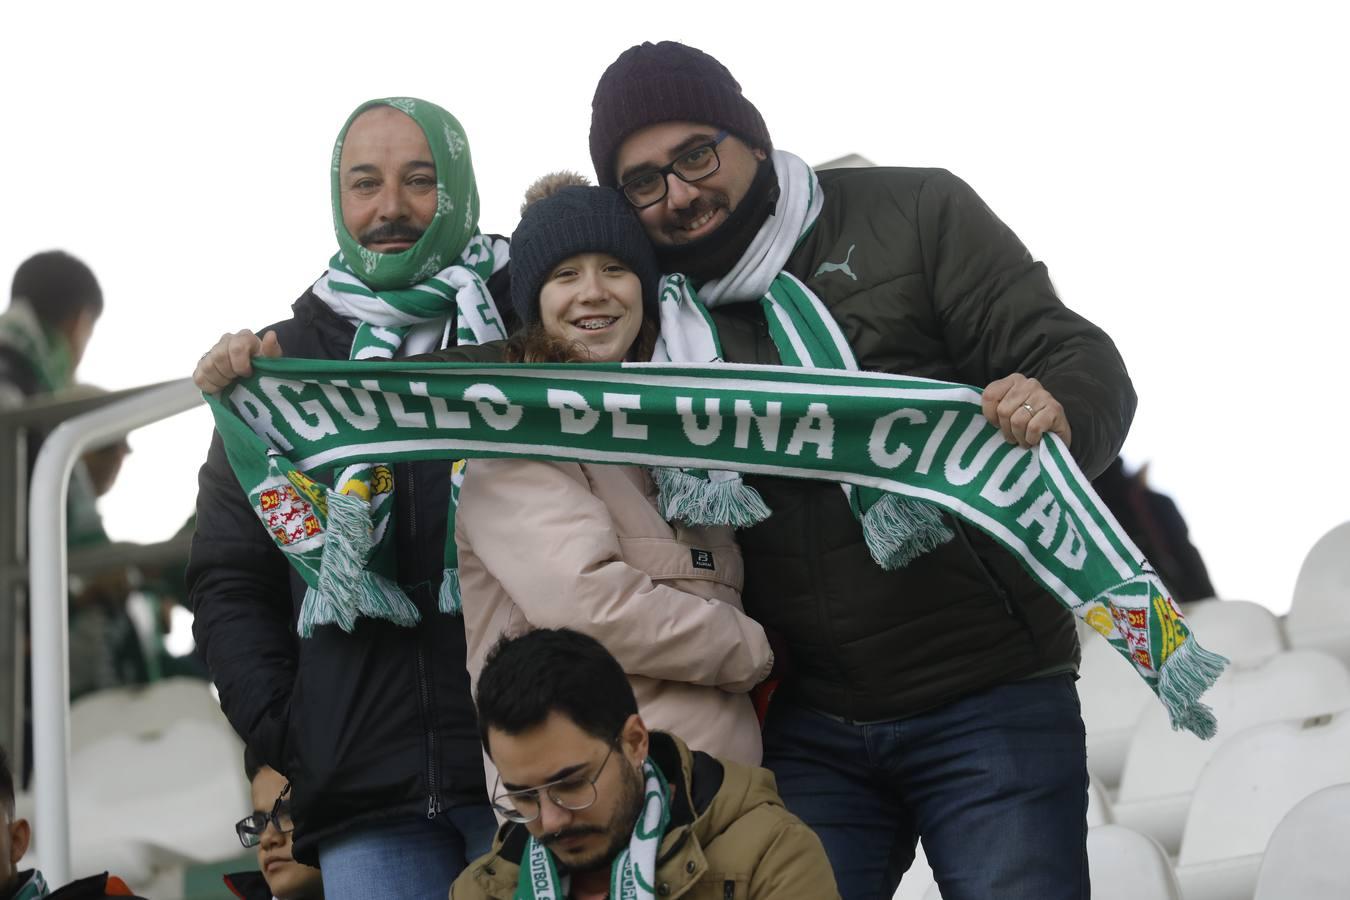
x=581 y=545
x=583 y=276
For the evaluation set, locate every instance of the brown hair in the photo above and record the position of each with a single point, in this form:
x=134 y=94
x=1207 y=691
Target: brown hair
x=535 y=345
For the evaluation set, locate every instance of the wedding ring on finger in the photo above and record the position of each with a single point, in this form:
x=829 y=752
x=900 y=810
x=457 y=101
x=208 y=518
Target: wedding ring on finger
x=1027 y=407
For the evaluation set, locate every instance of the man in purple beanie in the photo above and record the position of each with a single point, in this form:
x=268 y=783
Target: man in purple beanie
x=934 y=699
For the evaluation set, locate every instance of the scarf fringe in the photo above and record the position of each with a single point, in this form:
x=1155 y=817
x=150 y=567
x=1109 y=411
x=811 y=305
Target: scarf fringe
x=322 y=608
x=450 y=598
x=345 y=589
x=686 y=498
x=899 y=530
x=1185 y=676
x=379 y=598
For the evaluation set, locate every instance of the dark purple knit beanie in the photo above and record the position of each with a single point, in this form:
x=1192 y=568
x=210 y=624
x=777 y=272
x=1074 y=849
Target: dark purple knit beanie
x=666 y=82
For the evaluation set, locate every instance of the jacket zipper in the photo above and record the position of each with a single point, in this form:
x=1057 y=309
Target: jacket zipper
x=423 y=683
x=433 y=794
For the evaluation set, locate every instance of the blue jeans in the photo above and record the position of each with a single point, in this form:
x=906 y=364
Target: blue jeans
x=410 y=858
x=995 y=783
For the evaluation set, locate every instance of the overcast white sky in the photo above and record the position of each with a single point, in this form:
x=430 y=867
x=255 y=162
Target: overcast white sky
x=1181 y=168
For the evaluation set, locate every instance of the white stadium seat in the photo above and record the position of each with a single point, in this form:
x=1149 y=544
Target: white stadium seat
x=1124 y=865
x=1252 y=782
x=145 y=802
x=1099 y=806
x=1162 y=766
x=1112 y=696
x=1245 y=632
x=917 y=883
x=141 y=711
x=1319 y=616
x=1306 y=857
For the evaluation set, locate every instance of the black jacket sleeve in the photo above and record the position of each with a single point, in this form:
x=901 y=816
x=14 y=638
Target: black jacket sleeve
x=489 y=352
x=999 y=314
x=240 y=594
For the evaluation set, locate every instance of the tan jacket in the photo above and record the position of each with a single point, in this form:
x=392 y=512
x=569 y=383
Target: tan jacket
x=582 y=546
x=730 y=838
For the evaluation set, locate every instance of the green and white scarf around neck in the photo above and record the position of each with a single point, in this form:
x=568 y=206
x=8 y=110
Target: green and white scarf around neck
x=389 y=323
x=295 y=419
x=47 y=353
x=896 y=529
x=632 y=876
x=33 y=887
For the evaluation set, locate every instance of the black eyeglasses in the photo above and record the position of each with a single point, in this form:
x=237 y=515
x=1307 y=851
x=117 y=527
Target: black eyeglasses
x=692 y=165
x=575 y=792
x=250 y=828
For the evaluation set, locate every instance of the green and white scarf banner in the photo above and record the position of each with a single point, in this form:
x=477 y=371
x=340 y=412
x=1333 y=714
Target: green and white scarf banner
x=897 y=529
x=925 y=440
x=632 y=875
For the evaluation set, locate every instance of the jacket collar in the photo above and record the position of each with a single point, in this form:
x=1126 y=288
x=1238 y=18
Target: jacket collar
x=248 y=886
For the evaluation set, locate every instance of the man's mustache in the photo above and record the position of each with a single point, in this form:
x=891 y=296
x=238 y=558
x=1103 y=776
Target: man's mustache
x=578 y=831
x=700 y=207
x=391 y=231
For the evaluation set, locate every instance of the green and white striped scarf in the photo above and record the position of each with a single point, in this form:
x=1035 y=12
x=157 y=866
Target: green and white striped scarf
x=34 y=886
x=632 y=876
x=925 y=440
x=896 y=529
x=47 y=353
x=387 y=323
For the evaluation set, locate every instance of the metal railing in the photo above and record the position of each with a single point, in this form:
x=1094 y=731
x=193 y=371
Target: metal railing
x=47 y=591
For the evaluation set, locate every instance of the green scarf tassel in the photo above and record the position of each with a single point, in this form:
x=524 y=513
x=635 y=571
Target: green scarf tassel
x=687 y=498
x=898 y=530
x=1188 y=673
x=450 y=597
x=345 y=587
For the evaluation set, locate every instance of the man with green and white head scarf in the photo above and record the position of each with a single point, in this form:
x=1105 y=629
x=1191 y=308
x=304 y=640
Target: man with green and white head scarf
x=354 y=682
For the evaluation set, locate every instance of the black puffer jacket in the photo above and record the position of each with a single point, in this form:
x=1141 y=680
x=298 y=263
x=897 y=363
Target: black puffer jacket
x=924 y=281
x=374 y=724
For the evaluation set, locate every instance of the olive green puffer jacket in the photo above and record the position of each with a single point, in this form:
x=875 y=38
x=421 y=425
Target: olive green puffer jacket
x=924 y=280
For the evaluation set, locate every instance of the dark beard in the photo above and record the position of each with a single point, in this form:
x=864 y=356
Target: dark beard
x=619 y=831
x=713 y=255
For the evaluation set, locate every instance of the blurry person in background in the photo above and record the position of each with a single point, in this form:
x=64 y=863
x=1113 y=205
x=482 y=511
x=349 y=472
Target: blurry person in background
x=55 y=300
x=1155 y=524
x=268 y=829
x=28 y=884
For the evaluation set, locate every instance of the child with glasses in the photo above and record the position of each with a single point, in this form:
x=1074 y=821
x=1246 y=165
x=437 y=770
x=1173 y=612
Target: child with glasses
x=268 y=828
